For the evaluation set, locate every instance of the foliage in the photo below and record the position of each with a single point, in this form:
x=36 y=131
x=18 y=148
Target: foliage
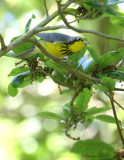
x=100 y=72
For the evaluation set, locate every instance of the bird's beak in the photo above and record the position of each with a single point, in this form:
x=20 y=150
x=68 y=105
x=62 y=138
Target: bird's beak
x=86 y=42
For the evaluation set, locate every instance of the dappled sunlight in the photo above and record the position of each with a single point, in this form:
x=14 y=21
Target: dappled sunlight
x=24 y=134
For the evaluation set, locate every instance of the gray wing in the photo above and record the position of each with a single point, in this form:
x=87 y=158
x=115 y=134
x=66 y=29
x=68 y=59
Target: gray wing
x=53 y=37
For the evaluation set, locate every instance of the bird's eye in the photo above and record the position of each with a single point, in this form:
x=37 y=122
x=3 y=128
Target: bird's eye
x=79 y=39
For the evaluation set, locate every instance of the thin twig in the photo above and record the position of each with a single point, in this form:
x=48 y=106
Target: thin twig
x=79 y=30
x=115 y=101
x=60 y=82
x=74 y=97
x=3 y=46
x=119 y=89
x=32 y=32
x=118 y=104
x=46 y=10
x=117 y=121
x=81 y=17
x=40 y=27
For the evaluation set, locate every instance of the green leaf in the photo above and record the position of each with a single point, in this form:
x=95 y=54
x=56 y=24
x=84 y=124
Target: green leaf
x=66 y=112
x=108 y=82
x=118 y=19
x=114 y=2
x=53 y=65
x=93 y=54
x=100 y=88
x=27 y=28
x=67 y=91
x=94 y=148
x=23 y=47
x=103 y=7
x=24 y=79
x=40 y=79
x=106 y=118
x=18 y=70
x=83 y=99
x=50 y=115
x=95 y=110
x=107 y=59
x=111 y=57
x=121 y=69
x=89 y=118
x=12 y=91
x=19 y=79
x=115 y=74
x=59 y=76
x=71 y=11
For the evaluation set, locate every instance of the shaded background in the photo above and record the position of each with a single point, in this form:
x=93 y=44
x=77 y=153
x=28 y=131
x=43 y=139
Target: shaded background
x=25 y=136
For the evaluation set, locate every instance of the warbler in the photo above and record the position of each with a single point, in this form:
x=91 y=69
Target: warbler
x=57 y=44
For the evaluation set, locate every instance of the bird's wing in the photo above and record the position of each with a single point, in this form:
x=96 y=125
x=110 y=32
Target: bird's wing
x=53 y=37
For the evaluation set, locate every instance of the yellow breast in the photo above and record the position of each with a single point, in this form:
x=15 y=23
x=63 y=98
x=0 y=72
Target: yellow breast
x=76 y=46
x=53 y=48
x=62 y=49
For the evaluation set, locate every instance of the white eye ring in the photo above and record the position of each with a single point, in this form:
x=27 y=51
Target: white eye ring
x=79 y=39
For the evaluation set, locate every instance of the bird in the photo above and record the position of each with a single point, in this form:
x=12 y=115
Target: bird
x=57 y=44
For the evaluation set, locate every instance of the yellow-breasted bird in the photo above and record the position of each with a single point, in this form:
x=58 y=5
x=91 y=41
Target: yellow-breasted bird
x=57 y=44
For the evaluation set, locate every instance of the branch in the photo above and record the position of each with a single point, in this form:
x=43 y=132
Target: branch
x=116 y=118
x=46 y=10
x=114 y=101
x=77 y=91
x=79 y=30
x=32 y=32
x=40 y=27
x=3 y=46
x=119 y=89
x=117 y=121
x=118 y=104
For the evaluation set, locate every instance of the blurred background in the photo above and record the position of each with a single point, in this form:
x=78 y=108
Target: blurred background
x=24 y=135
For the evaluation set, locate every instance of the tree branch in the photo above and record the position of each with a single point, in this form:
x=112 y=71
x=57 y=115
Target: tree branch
x=46 y=10
x=3 y=46
x=119 y=89
x=77 y=91
x=79 y=30
x=114 y=101
x=32 y=32
x=40 y=27
x=117 y=121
